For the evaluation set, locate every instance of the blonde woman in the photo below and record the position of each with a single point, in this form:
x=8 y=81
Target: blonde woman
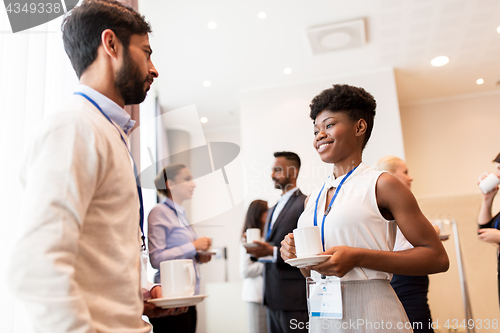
x=411 y=290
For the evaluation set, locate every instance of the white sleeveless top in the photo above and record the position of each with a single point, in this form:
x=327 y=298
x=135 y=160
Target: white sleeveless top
x=354 y=219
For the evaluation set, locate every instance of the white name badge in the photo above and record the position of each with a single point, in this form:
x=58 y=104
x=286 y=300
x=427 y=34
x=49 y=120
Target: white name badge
x=324 y=297
x=144 y=268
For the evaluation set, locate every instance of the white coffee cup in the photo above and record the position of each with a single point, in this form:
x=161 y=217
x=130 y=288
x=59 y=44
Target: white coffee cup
x=307 y=241
x=439 y=224
x=253 y=234
x=178 y=278
x=489 y=183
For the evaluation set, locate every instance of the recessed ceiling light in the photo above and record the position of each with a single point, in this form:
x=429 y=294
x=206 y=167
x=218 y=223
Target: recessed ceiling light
x=212 y=25
x=207 y=83
x=262 y=15
x=498 y=30
x=287 y=71
x=440 y=61
x=203 y=119
x=479 y=81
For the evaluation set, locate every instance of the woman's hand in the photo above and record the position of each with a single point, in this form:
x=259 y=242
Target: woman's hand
x=202 y=244
x=489 y=235
x=203 y=258
x=490 y=195
x=342 y=260
x=287 y=249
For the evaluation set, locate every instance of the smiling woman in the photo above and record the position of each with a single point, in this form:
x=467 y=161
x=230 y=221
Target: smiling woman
x=358 y=210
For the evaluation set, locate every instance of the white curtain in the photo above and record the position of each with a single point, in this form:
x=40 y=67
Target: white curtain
x=36 y=78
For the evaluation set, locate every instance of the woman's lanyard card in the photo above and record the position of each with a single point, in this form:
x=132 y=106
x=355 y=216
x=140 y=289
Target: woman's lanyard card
x=144 y=268
x=324 y=297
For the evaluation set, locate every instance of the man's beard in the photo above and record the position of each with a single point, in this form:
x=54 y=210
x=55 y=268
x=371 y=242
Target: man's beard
x=282 y=183
x=129 y=82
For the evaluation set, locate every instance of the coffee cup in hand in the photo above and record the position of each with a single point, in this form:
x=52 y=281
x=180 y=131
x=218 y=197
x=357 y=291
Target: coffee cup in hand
x=489 y=183
x=178 y=278
x=253 y=234
x=307 y=241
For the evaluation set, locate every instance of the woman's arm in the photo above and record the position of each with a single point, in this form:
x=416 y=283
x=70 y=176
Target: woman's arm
x=249 y=268
x=485 y=215
x=427 y=257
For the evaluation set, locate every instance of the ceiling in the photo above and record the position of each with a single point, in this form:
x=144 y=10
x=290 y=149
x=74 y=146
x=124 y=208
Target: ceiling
x=246 y=53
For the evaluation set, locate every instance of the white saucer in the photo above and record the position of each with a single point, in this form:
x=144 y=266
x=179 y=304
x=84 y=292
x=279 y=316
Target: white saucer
x=177 y=302
x=307 y=261
x=207 y=252
x=444 y=236
x=250 y=245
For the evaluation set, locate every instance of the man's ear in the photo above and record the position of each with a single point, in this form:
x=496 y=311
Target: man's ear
x=361 y=127
x=110 y=43
x=292 y=171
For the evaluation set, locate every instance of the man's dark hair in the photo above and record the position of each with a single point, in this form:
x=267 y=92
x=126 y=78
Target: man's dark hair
x=497 y=159
x=83 y=25
x=354 y=101
x=289 y=156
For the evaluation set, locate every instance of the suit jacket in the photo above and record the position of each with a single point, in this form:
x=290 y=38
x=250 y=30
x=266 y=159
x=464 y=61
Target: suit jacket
x=284 y=285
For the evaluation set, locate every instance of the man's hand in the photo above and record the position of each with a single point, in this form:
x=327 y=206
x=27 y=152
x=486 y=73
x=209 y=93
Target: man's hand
x=262 y=250
x=152 y=311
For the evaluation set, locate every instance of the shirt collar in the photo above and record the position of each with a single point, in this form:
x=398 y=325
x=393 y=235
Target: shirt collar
x=288 y=194
x=178 y=208
x=118 y=115
x=334 y=182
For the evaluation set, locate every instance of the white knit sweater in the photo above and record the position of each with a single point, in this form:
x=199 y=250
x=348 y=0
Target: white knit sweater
x=76 y=264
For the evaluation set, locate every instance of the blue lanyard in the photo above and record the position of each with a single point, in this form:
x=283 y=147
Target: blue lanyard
x=329 y=206
x=172 y=208
x=139 y=191
x=184 y=224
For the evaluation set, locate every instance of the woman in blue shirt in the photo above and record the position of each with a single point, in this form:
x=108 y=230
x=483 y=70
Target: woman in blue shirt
x=170 y=236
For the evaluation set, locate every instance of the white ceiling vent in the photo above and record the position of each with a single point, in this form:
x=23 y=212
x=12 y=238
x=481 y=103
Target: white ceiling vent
x=337 y=36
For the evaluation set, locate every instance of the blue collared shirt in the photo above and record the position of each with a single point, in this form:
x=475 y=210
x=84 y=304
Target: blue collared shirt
x=170 y=236
x=281 y=204
x=279 y=207
x=118 y=115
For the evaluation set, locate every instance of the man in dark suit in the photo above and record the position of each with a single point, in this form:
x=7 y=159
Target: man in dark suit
x=284 y=285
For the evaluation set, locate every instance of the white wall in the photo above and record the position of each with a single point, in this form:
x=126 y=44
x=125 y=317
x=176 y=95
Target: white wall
x=277 y=119
x=450 y=141
x=225 y=229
